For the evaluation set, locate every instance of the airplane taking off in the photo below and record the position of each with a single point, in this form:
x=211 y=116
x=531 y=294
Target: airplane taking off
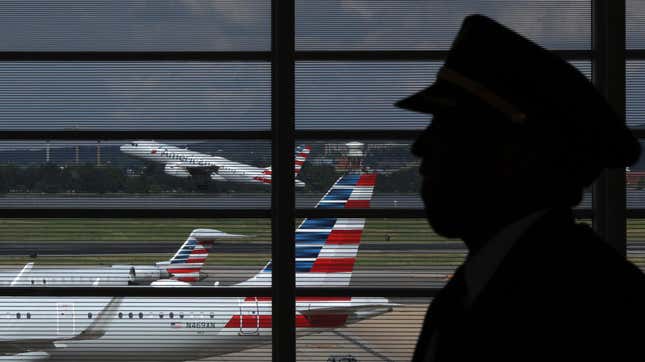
x=182 y=162
x=184 y=266
x=181 y=329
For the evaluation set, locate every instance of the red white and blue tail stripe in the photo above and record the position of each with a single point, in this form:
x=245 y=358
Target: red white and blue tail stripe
x=187 y=263
x=301 y=154
x=326 y=248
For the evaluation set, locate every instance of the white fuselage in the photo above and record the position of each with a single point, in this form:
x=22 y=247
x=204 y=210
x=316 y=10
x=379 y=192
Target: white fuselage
x=161 y=329
x=182 y=162
x=116 y=275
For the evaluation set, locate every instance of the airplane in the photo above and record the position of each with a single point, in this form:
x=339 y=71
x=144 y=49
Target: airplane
x=180 y=329
x=182 y=162
x=184 y=266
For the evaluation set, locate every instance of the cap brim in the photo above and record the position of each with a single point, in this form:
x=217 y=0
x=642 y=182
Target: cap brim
x=429 y=100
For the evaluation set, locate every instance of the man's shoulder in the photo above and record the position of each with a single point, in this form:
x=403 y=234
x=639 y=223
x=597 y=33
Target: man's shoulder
x=574 y=252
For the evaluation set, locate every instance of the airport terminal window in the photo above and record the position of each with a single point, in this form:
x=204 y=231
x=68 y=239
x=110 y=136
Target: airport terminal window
x=353 y=60
x=372 y=54
x=635 y=111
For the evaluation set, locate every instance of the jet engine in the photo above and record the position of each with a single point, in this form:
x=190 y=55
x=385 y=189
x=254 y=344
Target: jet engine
x=176 y=169
x=143 y=274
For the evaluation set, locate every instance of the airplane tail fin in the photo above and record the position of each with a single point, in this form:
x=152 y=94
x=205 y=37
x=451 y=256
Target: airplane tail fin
x=301 y=154
x=188 y=261
x=326 y=248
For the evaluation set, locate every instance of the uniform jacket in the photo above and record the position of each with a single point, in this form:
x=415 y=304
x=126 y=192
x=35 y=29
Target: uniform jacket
x=560 y=292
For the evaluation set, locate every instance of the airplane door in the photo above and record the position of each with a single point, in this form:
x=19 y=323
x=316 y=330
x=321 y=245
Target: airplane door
x=65 y=319
x=249 y=317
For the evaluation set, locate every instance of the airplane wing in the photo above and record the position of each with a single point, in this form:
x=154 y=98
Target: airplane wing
x=19 y=278
x=103 y=319
x=30 y=349
x=349 y=309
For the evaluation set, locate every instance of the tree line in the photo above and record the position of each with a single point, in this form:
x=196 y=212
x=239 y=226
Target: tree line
x=151 y=179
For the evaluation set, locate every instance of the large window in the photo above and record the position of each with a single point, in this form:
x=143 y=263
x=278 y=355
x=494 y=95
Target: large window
x=148 y=152
x=635 y=111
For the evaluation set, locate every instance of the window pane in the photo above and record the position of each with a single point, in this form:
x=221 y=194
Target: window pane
x=635 y=93
x=150 y=338
x=635 y=28
x=129 y=251
x=635 y=182
x=636 y=242
x=432 y=25
x=161 y=174
x=635 y=190
x=119 y=25
x=374 y=334
x=397 y=181
x=375 y=252
x=134 y=95
x=360 y=94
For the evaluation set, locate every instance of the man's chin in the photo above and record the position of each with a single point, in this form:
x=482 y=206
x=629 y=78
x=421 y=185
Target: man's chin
x=446 y=227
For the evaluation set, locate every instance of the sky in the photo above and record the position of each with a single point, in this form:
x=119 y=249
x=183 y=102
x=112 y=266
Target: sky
x=236 y=95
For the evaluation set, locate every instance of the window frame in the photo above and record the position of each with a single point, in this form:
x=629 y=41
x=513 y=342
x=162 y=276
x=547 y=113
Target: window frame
x=608 y=212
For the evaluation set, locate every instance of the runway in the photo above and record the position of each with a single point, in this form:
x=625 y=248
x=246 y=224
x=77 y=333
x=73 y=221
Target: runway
x=212 y=201
x=21 y=248
x=16 y=248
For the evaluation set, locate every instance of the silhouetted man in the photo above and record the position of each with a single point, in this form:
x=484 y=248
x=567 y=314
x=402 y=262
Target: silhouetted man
x=517 y=134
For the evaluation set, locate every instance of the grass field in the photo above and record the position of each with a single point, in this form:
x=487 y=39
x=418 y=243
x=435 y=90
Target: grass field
x=141 y=230
x=258 y=230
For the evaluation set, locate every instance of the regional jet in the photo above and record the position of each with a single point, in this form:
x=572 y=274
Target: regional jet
x=181 y=329
x=182 y=162
x=184 y=266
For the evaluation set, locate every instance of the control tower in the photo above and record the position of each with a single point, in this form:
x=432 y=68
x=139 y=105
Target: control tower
x=355 y=156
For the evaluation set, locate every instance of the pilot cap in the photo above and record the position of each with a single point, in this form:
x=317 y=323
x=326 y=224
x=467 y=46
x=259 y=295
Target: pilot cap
x=533 y=88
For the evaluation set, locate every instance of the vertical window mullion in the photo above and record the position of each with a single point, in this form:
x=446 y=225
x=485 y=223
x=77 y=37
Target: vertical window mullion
x=609 y=198
x=282 y=183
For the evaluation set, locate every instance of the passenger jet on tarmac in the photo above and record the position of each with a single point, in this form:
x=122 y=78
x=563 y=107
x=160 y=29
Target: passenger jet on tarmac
x=182 y=162
x=185 y=266
x=181 y=329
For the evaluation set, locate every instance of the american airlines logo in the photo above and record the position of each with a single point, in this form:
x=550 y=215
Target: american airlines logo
x=198 y=160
